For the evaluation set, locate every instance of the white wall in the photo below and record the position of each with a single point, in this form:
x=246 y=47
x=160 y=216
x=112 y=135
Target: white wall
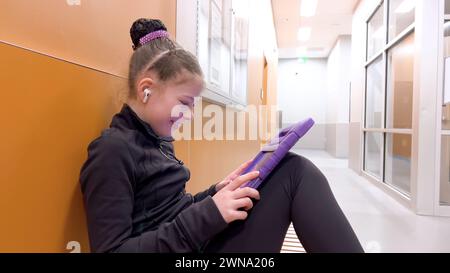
x=319 y=89
x=302 y=89
x=338 y=83
x=338 y=93
x=302 y=93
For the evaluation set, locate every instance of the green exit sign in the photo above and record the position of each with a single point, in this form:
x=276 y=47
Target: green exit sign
x=303 y=60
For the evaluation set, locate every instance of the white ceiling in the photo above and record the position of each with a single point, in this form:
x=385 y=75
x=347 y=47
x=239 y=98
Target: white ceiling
x=333 y=18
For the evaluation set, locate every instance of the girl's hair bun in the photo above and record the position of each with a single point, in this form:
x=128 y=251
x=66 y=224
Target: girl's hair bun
x=142 y=27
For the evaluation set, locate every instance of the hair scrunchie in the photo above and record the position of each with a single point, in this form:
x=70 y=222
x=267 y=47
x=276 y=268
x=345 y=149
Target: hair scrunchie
x=152 y=36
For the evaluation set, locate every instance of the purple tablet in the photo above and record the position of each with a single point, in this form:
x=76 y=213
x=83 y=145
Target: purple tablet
x=272 y=153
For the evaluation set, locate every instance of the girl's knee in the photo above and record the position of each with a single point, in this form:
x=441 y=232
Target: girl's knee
x=303 y=170
x=297 y=162
x=296 y=171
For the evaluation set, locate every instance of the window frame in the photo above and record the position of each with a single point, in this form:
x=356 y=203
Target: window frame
x=383 y=53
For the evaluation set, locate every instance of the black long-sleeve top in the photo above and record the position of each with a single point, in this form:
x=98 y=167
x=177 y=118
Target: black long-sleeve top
x=134 y=193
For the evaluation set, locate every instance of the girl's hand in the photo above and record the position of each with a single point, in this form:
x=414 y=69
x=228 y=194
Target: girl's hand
x=231 y=198
x=232 y=176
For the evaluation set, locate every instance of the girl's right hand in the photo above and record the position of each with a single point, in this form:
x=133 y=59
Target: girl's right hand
x=231 y=198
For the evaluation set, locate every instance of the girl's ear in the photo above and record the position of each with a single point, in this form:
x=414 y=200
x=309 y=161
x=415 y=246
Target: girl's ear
x=144 y=84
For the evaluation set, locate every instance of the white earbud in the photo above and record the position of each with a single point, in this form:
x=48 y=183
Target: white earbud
x=147 y=93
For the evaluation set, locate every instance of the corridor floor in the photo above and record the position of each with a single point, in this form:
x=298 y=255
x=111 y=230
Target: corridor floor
x=380 y=222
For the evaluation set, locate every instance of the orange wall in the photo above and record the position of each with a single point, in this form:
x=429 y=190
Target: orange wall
x=54 y=108
x=51 y=111
x=93 y=34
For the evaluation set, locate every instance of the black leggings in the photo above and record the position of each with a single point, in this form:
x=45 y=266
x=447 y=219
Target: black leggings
x=296 y=191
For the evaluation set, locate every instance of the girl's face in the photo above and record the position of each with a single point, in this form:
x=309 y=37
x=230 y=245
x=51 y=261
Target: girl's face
x=170 y=102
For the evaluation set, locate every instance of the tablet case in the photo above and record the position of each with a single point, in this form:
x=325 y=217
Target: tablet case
x=272 y=153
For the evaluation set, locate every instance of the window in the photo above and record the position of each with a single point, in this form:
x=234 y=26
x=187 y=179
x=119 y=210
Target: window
x=374 y=94
x=400 y=84
x=398 y=161
x=401 y=16
x=372 y=153
x=389 y=94
x=446 y=97
x=445 y=171
x=219 y=45
x=240 y=52
x=376 y=32
x=216 y=31
x=444 y=192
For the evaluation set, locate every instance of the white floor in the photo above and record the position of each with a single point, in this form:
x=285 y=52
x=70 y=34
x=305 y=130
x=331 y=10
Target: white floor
x=381 y=223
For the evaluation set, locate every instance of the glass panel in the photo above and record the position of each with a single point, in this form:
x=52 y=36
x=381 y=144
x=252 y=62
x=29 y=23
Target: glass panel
x=240 y=56
x=374 y=94
x=446 y=97
x=444 y=193
x=372 y=153
x=401 y=15
x=398 y=162
x=203 y=36
x=220 y=44
x=445 y=171
x=400 y=79
x=376 y=33
x=446 y=117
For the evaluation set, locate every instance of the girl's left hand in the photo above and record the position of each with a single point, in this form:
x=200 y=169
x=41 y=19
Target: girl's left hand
x=232 y=176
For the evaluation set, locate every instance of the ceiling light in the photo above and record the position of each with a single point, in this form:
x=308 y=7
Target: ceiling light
x=308 y=8
x=406 y=6
x=304 y=33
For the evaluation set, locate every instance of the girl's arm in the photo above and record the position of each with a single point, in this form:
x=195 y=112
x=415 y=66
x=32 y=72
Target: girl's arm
x=208 y=192
x=106 y=182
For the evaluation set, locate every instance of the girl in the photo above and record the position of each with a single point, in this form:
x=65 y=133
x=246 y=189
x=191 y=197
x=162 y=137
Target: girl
x=134 y=187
